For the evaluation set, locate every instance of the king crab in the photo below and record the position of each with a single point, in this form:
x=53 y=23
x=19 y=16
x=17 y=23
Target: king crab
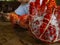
x=43 y=20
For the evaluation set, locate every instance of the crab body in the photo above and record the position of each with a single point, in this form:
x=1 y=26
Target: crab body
x=43 y=20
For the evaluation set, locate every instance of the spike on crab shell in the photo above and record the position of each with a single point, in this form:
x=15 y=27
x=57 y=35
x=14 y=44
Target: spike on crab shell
x=32 y=8
x=32 y=4
x=48 y=16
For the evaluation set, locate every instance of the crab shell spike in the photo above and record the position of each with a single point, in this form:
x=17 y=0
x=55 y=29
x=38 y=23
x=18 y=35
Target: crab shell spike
x=37 y=2
x=43 y=5
x=32 y=7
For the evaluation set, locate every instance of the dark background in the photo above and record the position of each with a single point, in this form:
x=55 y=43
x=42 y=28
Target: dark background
x=58 y=2
x=8 y=6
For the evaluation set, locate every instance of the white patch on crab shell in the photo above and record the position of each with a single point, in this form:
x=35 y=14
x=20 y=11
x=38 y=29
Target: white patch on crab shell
x=41 y=2
x=54 y=22
x=34 y=25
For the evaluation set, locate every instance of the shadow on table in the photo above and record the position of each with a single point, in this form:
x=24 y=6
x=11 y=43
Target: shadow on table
x=25 y=37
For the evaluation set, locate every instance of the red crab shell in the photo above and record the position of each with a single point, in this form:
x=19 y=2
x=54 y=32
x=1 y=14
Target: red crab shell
x=24 y=21
x=46 y=26
x=20 y=20
x=40 y=33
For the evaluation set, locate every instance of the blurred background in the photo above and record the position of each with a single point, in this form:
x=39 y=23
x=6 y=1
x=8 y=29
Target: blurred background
x=11 y=5
x=8 y=5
